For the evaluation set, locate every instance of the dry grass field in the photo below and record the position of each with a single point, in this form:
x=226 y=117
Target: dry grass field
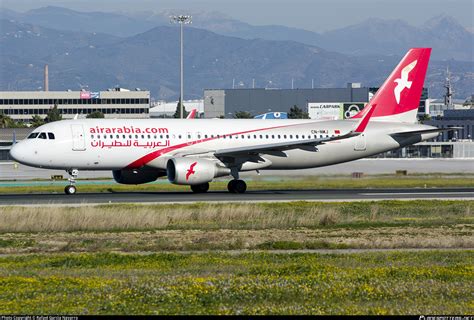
x=224 y=259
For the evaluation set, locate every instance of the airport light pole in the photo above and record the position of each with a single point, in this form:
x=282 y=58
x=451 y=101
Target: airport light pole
x=181 y=19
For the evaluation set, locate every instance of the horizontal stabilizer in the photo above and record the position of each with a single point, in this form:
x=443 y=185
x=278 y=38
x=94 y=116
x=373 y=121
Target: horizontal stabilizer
x=407 y=133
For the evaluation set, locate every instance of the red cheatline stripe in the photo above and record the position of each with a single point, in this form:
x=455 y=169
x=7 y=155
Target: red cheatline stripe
x=157 y=153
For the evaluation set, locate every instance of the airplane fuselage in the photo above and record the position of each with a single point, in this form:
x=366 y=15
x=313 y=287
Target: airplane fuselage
x=92 y=144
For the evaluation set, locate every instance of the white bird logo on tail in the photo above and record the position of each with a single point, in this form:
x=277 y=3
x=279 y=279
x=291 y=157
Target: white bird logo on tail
x=403 y=82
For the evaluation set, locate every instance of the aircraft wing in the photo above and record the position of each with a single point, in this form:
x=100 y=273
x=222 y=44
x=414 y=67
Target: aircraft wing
x=301 y=144
x=282 y=146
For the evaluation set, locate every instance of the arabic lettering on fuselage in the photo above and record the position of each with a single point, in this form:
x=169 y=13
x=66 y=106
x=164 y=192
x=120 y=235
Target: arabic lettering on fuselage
x=128 y=143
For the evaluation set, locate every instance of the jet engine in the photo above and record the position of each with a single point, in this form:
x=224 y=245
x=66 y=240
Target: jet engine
x=137 y=176
x=192 y=171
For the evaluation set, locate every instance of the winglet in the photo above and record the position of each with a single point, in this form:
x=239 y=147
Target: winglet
x=192 y=114
x=365 y=120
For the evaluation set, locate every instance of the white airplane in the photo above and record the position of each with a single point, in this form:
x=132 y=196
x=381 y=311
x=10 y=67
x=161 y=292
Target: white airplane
x=195 y=152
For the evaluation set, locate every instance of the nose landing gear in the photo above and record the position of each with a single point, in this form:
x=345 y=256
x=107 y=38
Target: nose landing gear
x=71 y=188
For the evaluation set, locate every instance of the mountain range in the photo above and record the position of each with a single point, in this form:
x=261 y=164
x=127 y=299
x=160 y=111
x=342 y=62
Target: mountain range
x=103 y=50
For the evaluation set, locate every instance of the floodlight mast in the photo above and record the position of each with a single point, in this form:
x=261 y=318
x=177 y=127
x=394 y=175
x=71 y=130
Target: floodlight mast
x=181 y=19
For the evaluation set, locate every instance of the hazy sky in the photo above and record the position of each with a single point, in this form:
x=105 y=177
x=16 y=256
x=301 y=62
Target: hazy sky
x=316 y=15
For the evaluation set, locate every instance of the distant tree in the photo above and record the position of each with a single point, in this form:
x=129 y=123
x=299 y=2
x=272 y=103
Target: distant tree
x=36 y=121
x=243 y=115
x=95 y=115
x=54 y=114
x=5 y=121
x=177 y=114
x=297 y=113
x=424 y=117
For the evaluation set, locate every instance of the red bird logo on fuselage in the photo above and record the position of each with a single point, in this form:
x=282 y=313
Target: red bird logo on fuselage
x=191 y=170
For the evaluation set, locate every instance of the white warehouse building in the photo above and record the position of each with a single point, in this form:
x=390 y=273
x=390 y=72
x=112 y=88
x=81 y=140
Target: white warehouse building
x=113 y=103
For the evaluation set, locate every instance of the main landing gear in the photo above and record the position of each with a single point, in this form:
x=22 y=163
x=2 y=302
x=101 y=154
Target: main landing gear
x=237 y=186
x=200 y=188
x=71 y=188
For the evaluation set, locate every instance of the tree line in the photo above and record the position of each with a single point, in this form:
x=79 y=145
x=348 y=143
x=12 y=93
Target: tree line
x=53 y=115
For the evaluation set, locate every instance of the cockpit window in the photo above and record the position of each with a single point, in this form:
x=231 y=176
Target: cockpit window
x=42 y=135
x=33 y=135
x=51 y=135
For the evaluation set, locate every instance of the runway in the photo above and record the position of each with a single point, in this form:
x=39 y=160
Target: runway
x=250 y=196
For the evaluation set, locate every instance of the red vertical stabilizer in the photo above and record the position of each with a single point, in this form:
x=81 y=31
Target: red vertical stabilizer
x=399 y=97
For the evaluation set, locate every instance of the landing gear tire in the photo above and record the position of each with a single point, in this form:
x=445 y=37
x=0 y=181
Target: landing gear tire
x=70 y=190
x=237 y=186
x=200 y=188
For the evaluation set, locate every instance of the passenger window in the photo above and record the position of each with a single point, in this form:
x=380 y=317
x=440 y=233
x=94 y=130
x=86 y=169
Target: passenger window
x=51 y=135
x=42 y=135
x=33 y=135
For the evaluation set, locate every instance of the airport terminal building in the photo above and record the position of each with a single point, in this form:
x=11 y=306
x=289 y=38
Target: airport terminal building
x=113 y=103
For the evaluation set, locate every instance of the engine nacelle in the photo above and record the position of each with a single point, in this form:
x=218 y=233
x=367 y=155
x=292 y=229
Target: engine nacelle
x=192 y=171
x=137 y=176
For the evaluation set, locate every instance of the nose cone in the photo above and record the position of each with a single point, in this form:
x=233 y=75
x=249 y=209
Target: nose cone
x=17 y=152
